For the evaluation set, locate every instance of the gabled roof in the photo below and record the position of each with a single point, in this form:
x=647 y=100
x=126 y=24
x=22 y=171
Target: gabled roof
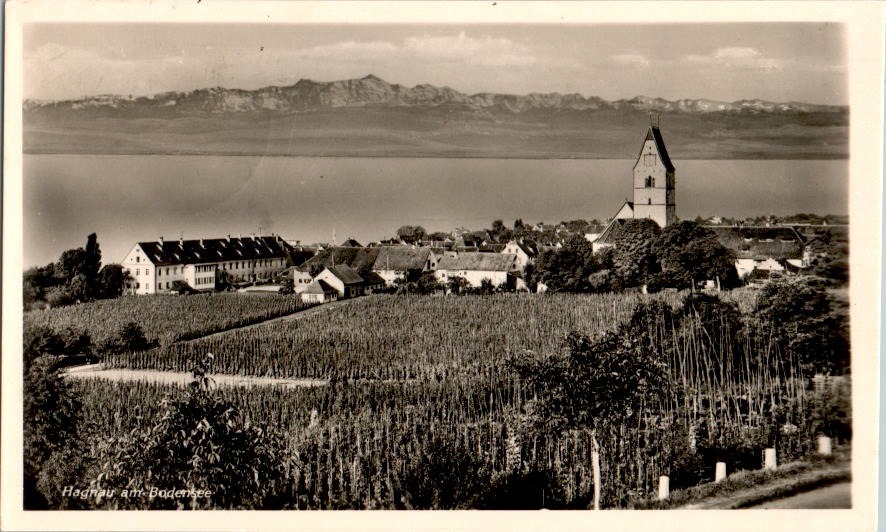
x=401 y=258
x=351 y=243
x=497 y=262
x=356 y=258
x=345 y=274
x=611 y=234
x=371 y=278
x=760 y=242
x=529 y=247
x=655 y=134
x=319 y=287
x=211 y=250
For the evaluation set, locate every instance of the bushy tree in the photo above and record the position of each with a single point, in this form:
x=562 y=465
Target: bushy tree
x=129 y=338
x=634 y=257
x=111 y=281
x=798 y=311
x=567 y=269
x=199 y=442
x=457 y=284
x=411 y=233
x=688 y=252
x=52 y=414
x=598 y=384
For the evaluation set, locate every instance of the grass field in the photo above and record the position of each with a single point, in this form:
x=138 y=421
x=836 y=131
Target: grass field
x=166 y=319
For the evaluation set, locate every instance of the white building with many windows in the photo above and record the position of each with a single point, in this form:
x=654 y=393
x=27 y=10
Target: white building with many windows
x=154 y=267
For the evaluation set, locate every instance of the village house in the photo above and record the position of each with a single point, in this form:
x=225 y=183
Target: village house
x=763 y=249
x=526 y=252
x=156 y=267
x=319 y=292
x=394 y=262
x=346 y=282
x=475 y=267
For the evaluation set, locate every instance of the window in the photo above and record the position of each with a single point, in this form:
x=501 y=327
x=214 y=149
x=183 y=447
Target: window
x=159 y=272
x=138 y=271
x=650 y=201
x=136 y=286
x=167 y=284
x=137 y=258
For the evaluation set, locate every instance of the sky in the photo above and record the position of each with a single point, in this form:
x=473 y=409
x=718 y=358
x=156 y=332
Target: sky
x=771 y=61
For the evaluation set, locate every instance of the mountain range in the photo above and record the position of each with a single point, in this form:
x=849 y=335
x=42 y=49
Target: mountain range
x=369 y=116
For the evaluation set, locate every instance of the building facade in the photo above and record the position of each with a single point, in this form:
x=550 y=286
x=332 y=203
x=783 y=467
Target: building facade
x=654 y=181
x=155 y=267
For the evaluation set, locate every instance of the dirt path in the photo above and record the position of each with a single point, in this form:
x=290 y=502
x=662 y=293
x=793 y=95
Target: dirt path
x=98 y=371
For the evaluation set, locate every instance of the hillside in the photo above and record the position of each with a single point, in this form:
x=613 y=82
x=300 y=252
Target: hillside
x=371 y=117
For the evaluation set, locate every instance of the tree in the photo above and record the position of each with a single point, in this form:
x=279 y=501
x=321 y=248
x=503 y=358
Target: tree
x=689 y=252
x=486 y=286
x=111 y=281
x=92 y=266
x=567 y=269
x=500 y=232
x=457 y=284
x=201 y=441
x=129 y=338
x=411 y=233
x=798 y=311
x=52 y=413
x=598 y=384
x=634 y=257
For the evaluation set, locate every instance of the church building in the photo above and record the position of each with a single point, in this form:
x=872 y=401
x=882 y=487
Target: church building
x=653 y=184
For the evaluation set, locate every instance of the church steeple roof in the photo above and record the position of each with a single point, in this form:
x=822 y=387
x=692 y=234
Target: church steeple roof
x=655 y=134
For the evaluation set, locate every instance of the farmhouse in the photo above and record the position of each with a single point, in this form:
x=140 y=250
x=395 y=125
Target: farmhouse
x=525 y=250
x=347 y=282
x=393 y=262
x=474 y=267
x=319 y=292
x=156 y=266
x=764 y=249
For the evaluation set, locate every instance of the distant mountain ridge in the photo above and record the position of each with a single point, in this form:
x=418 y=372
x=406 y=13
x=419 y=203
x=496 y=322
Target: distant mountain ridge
x=310 y=95
x=369 y=117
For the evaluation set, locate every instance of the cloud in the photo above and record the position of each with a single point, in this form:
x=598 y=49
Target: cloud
x=735 y=57
x=485 y=50
x=630 y=60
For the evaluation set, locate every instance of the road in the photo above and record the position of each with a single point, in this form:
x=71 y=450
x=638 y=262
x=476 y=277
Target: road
x=829 y=497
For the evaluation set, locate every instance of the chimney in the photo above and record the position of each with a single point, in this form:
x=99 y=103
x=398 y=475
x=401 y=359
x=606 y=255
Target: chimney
x=240 y=236
x=181 y=242
x=201 y=243
x=253 y=237
x=229 y=238
x=161 y=241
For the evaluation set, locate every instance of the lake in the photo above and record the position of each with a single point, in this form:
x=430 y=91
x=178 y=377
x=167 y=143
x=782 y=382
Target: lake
x=130 y=198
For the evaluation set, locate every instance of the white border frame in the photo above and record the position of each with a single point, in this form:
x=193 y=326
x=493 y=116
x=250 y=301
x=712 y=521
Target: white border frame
x=864 y=22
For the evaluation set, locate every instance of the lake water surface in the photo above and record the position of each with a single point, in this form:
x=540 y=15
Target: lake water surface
x=126 y=198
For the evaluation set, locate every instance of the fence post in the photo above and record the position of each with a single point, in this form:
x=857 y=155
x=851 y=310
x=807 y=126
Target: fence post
x=664 y=487
x=721 y=472
x=769 y=461
x=824 y=446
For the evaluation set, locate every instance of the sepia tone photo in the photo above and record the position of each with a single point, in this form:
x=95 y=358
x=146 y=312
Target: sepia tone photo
x=418 y=265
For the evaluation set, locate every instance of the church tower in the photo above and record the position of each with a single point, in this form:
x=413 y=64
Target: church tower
x=654 y=180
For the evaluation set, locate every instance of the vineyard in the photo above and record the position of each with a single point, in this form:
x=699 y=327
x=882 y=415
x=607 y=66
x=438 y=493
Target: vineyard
x=164 y=318
x=396 y=337
x=423 y=410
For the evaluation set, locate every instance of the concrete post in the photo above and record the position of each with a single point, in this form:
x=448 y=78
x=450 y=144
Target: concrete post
x=664 y=487
x=721 y=472
x=769 y=461
x=824 y=446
